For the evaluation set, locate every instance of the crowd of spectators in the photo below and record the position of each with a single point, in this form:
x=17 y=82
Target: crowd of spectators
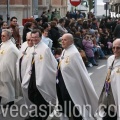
x=92 y=38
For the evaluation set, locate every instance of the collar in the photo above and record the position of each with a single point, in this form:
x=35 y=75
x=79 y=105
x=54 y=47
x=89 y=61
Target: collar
x=69 y=46
x=35 y=45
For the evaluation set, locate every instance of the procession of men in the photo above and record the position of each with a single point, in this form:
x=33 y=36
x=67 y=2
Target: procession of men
x=50 y=79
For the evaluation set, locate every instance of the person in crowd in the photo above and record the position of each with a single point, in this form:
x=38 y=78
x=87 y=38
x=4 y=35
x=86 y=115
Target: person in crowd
x=74 y=87
x=85 y=24
x=40 y=76
x=23 y=55
x=97 y=49
x=83 y=33
x=116 y=32
x=46 y=26
x=57 y=53
x=46 y=39
x=16 y=35
x=4 y=25
x=54 y=34
x=39 y=22
x=94 y=24
x=34 y=25
x=78 y=40
x=79 y=24
x=61 y=28
x=44 y=17
x=49 y=15
x=88 y=47
x=9 y=85
x=56 y=20
x=22 y=66
x=104 y=41
x=112 y=81
x=67 y=26
x=73 y=27
x=102 y=24
x=27 y=28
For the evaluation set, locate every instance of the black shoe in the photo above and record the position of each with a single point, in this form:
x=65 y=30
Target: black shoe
x=9 y=104
x=95 y=64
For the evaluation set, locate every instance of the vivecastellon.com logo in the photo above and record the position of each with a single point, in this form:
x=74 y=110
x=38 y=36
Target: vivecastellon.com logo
x=15 y=111
x=114 y=15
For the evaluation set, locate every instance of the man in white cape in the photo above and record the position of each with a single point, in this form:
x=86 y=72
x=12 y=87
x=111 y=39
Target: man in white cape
x=112 y=112
x=22 y=66
x=74 y=86
x=41 y=76
x=9 y=85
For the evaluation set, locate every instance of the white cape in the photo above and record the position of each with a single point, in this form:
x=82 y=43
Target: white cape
x=9 y=85
x=45 y=68
x=24 y=52
x=115 y=81
x=78 y=82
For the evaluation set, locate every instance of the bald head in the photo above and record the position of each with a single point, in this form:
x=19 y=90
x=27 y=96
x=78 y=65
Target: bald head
x=69 y=36
x=67 y=40
x=28 y=34
x=116 y=48
x=116 y=41
x=29 y=40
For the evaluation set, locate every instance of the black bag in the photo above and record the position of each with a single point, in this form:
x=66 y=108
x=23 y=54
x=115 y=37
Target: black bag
x=106 y=98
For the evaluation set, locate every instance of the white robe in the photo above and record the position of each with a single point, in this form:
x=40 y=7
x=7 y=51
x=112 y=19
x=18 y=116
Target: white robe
x=25 y=55
x=115 y=81
x=77 y=81
x=9 y=85
x=45 y=70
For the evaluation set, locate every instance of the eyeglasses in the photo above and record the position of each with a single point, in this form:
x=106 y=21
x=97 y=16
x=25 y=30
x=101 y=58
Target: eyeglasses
x=35 y=37
x=3 y=36
x=117 y=48
x=29 y=40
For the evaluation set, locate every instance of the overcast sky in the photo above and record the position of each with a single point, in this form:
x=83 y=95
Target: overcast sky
x=100 y=2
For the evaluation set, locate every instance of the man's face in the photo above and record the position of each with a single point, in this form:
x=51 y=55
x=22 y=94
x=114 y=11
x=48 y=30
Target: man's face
x=14 y=22
x=45 y=33
x=4 y=36
x=40 y=22
x=116 y=49
x=29 y=41
x=35 y=38
x=66 y=42
x=63 y=23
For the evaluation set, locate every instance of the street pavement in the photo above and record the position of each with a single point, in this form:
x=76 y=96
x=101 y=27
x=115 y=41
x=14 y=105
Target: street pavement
x=97 y=74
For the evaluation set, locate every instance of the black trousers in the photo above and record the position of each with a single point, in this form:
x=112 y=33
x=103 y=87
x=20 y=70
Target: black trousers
x=35 y=97
x=65 y=100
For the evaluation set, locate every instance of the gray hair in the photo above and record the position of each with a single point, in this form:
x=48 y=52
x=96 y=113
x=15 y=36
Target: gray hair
x=9 y=33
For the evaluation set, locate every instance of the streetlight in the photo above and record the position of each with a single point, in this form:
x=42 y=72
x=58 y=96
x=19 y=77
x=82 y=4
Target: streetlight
x=106 y=5
x=35 y=8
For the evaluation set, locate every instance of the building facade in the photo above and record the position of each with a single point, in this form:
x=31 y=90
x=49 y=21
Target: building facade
x=115 y=6
x=27 y=8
